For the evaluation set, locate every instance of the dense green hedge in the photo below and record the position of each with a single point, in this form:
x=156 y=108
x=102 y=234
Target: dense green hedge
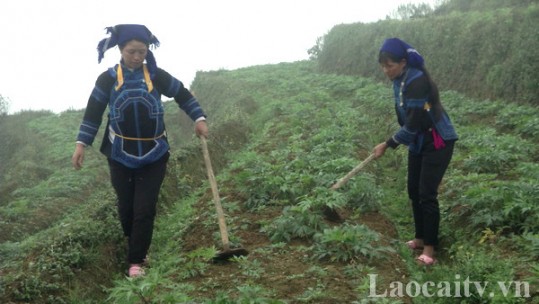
x=485 y=54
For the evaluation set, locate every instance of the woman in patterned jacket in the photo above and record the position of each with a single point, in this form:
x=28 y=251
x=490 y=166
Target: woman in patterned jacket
x=426 y=129
x=135 y=141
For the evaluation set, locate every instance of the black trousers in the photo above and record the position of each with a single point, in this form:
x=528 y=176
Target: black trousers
x=425 y=173
x=137 y=191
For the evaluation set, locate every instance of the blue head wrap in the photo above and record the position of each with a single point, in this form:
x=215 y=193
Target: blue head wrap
x=122 y=33
x=403 y=50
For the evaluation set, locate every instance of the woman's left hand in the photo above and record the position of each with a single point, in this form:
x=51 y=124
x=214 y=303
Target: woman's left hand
x=201 y=128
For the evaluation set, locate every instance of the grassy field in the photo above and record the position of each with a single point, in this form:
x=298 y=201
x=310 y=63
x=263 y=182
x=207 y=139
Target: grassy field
x=281 y=135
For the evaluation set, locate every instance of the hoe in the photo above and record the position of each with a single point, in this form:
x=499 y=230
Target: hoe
x=331 y=214
x=226 y=253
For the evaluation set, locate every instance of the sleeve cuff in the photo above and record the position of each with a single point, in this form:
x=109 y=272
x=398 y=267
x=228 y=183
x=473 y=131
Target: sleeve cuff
x=392 y=143
x=201 y=118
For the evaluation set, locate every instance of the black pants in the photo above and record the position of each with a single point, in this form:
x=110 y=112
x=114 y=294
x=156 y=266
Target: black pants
x=425 y=173
x=137 y=191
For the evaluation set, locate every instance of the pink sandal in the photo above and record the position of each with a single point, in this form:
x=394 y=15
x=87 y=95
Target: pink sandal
x=135 y=270
x=426 y=260
x=413 y=245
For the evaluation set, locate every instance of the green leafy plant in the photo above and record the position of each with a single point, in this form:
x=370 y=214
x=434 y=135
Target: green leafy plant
x=293 y=224
x=196 y=261
x=348 y=243
x=313 y=294
x=513 y=202
x=152 y=288
x=250 y=268
x=256 y=295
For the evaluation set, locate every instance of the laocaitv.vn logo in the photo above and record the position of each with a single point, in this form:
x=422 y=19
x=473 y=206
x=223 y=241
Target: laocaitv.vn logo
x=457 y=288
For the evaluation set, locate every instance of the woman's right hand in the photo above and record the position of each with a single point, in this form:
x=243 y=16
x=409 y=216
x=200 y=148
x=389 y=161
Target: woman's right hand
x=78 y=156
x=379 y=150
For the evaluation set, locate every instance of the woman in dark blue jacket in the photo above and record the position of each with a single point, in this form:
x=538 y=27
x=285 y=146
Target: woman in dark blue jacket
x=426 y=129
x=135 y=140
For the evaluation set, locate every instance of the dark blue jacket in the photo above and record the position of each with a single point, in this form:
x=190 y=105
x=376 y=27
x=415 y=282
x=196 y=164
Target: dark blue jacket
x=135 y=133
x=415 y=114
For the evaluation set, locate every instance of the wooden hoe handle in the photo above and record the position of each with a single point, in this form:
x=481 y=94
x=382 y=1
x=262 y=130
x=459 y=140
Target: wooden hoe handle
x=350 y=174
x=215 y=192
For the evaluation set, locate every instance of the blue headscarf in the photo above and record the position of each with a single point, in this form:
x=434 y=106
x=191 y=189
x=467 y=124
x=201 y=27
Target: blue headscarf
x=403 y=50
x=122 y=33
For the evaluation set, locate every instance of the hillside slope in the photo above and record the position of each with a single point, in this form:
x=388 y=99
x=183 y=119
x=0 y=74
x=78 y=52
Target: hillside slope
x=308 y=130
x=281 y=135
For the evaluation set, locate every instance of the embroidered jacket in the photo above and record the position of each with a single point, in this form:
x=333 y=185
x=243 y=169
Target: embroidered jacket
x=135 y=133
x=415 y=113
